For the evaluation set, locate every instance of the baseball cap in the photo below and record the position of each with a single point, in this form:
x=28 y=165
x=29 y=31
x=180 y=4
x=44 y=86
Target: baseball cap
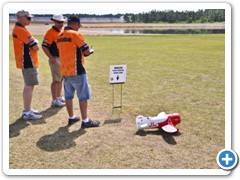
x=23 y=13
x=73 y=18
x=58 y=17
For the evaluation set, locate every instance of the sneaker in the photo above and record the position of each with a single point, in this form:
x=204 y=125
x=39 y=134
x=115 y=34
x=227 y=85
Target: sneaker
x=73 y=121
x=90 y=124
x=57 y=103
x=35 y=111
x=62 y=99
x=32 y=116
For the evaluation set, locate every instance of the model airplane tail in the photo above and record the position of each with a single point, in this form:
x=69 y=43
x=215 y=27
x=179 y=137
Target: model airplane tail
x=165 y=121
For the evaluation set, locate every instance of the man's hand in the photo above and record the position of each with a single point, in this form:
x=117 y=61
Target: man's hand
x=91 y=51
x=53 y=60
x=88 y=52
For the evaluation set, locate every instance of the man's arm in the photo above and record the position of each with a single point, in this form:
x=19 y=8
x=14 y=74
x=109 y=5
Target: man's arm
x=81 y=44
x=36 y=47
x=49 y=55
x=88 y=51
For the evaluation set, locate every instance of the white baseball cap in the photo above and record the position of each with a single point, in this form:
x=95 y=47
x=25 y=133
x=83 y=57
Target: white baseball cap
x=58 y=17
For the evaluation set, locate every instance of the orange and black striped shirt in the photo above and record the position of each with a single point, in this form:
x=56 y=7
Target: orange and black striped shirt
x=50 y=41
x=23 y=42
x=71 y=46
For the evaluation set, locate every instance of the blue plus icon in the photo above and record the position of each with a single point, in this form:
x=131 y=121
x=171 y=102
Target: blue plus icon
x=227 y=159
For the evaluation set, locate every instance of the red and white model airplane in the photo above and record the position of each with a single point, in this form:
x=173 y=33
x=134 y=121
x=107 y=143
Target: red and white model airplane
x=165 y=121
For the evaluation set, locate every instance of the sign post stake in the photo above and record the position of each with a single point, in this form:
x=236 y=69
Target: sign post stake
x=117 y=76
x=113 y=90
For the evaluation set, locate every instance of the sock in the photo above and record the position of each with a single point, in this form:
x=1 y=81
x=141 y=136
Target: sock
x=71 y=117
x=85 y=120
x=60 y=97
x=26 y=113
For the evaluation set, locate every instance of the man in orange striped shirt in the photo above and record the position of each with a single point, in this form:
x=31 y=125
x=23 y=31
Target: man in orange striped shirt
x=72 y=49
x=49 y=46
x=25 y=49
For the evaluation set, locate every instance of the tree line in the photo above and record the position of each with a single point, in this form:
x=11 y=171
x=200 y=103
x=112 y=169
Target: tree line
x=170 y=16
x=79 y=15
x=154 y=16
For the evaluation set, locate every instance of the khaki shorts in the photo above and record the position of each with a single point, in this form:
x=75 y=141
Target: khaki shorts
x=30 y=76
x=55 y=69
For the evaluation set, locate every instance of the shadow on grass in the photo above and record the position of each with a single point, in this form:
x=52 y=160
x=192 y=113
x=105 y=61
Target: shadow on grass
x=17 y=126
x=47 y=113
x=51 y=111
x=20 y=123
x=112 y=121
x=169 y=138
x=60 y=140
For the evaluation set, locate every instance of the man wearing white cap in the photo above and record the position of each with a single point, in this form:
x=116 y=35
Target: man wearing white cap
x=49 y=46
x=25 y=49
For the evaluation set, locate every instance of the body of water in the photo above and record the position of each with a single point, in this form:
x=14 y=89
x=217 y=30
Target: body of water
x=159 y=31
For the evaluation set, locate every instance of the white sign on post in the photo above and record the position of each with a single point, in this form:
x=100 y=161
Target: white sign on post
x=117 y=74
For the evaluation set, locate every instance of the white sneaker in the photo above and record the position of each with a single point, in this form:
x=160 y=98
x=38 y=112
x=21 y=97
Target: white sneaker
x=62 y=99
x=57 y=103
x=35 y=111
x=32 y=116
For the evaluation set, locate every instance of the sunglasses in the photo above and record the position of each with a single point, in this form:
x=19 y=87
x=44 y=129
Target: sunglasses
x=29 y=18
x=59 y=22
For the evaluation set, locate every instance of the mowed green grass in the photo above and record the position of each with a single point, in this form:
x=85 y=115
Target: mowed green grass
x=172 y=73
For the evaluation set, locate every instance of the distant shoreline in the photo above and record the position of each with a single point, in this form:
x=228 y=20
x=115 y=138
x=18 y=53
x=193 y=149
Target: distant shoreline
x=157 y=26
x=87 y=29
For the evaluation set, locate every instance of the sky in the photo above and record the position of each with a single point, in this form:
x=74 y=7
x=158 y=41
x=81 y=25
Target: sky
x=100 y=8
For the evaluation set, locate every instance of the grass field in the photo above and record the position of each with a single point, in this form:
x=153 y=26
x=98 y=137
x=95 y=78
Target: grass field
x=171 y=73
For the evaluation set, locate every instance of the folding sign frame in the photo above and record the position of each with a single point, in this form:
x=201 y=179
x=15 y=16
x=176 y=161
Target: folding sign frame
x=117 y=76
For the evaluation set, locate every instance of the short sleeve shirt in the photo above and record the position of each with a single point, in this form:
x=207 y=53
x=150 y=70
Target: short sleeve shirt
x=50 y=40
x=23 y=41
x=71 y=46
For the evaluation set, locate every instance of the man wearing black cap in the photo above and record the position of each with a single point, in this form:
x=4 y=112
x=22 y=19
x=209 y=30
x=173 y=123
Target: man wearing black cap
x=72 y=50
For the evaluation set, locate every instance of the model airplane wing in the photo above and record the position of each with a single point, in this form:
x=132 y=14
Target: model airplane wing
x=170 y=128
